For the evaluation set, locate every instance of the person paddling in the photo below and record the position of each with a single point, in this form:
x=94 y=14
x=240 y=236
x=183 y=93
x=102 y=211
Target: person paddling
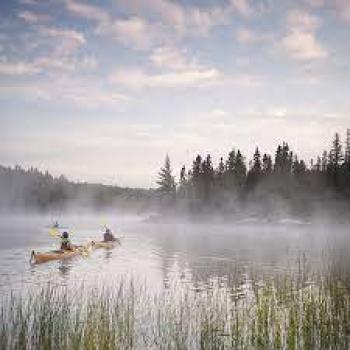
x=65 y=242
x=108 y=236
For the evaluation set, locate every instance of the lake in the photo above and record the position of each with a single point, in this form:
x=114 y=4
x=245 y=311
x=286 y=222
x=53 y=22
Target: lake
x=162 y=254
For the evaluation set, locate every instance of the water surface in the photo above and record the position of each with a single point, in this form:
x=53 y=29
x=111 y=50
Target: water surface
x=162 y=254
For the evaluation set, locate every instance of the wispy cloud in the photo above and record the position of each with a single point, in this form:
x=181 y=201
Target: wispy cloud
x=138 y=79
x=343 y=9
x=301 y=42
x=246 y=36
x=33 y=17
x=172 y=58
x=17 y=68
x=66 y=41
x=243 y=7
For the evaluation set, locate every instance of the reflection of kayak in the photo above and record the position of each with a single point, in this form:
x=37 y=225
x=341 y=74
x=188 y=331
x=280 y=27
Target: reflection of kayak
x=106 y=245
x=38 y=258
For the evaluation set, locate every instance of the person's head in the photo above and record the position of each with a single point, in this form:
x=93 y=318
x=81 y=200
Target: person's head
x=65 y=235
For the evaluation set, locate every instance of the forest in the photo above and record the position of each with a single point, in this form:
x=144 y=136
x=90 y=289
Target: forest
x=33 y=190
x=265 y=186
x=268 y=186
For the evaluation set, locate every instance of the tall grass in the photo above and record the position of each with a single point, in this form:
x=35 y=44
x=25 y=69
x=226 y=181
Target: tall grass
x=285 y=312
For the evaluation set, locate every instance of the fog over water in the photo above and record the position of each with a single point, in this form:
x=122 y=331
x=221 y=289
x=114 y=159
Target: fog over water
x=163 y=253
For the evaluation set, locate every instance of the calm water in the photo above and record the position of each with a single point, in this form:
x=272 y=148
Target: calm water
x=161 y=254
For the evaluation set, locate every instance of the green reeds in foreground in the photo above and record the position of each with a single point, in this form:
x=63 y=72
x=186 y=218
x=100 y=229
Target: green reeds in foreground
x=280 y=313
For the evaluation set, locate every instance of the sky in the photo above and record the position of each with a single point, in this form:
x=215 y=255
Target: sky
x=101 y=91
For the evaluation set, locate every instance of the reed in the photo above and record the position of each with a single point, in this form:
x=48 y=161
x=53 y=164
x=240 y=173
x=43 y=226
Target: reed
x=289 y=311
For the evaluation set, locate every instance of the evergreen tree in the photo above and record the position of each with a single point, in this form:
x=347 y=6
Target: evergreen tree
x=240 y=169
x=255 y=172
x=267 y=165
x=229 y=175
x=334 y=161
x=208 y=178
x=183 y=179
x=166 y=180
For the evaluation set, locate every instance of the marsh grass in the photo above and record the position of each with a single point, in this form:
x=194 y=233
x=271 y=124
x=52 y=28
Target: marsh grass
x=288 y=311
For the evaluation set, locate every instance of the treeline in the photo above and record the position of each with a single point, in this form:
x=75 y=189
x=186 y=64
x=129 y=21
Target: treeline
x=31 y=189
x=266 y=185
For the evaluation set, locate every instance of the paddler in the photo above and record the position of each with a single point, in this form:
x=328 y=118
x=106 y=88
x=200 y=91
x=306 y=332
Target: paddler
x=108 y=236
x=65 y=242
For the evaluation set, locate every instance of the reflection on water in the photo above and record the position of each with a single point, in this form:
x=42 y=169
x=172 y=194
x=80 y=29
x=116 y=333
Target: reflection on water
x=64 y=267
x=163 y=254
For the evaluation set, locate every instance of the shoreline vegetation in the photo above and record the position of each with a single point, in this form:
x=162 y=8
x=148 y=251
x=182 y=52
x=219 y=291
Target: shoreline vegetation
x=268 y=187
x=291 y=310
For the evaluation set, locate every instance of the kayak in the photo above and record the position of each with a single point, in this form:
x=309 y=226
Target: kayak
x=103 y=244
x=38 y=257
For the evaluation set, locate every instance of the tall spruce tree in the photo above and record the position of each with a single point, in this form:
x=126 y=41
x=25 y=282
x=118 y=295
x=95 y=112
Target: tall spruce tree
x=240 y=169
x=335 y=158
x=166 y=180
x=255 y=172
x=267 y=166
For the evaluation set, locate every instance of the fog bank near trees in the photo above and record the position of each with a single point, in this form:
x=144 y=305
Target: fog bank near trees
x=268 y=187
x=31 y=190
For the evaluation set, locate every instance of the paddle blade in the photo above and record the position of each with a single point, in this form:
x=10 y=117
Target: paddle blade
x=54 y=232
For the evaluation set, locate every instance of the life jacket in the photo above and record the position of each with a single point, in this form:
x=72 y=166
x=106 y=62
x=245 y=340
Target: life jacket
x=65 y=243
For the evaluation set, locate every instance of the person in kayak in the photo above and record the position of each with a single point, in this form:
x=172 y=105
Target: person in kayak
x=108 y=236
x=65 y=242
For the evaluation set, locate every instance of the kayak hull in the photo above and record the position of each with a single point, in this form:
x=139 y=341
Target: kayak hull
x=39 y=258
x=104 y=245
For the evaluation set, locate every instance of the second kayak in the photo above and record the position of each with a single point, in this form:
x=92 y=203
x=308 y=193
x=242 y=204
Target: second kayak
x=103 y=244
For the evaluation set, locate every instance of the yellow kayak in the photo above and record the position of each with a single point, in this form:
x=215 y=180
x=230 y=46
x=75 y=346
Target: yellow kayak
x=103 y=244
x=38 y=257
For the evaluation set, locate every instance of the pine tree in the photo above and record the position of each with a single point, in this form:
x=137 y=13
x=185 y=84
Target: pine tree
x=267 y=165
x=334 y=161
x=166 y=180
x=335 y=155
x=208 y=178
x=183 y=179
x=255 y=172
x=240 y=169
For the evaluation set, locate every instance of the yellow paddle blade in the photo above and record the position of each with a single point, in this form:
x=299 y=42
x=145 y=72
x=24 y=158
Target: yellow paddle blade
x=54 y=232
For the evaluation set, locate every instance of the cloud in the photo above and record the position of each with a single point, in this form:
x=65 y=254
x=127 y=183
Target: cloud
x=17 y=68
x=32 y=17
x=172 y=58
x=133 y=32
x=87 y=11
x=303 y=46
x=138 y=79
x=187 y=20
x=172 y=67
x=242 y=7
x=315 y=3
x=343 y=9
x=149 y=23
x=67 y=41
x=302 y=20
x=246 y=36
x=85 y=93
x=301 y=42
